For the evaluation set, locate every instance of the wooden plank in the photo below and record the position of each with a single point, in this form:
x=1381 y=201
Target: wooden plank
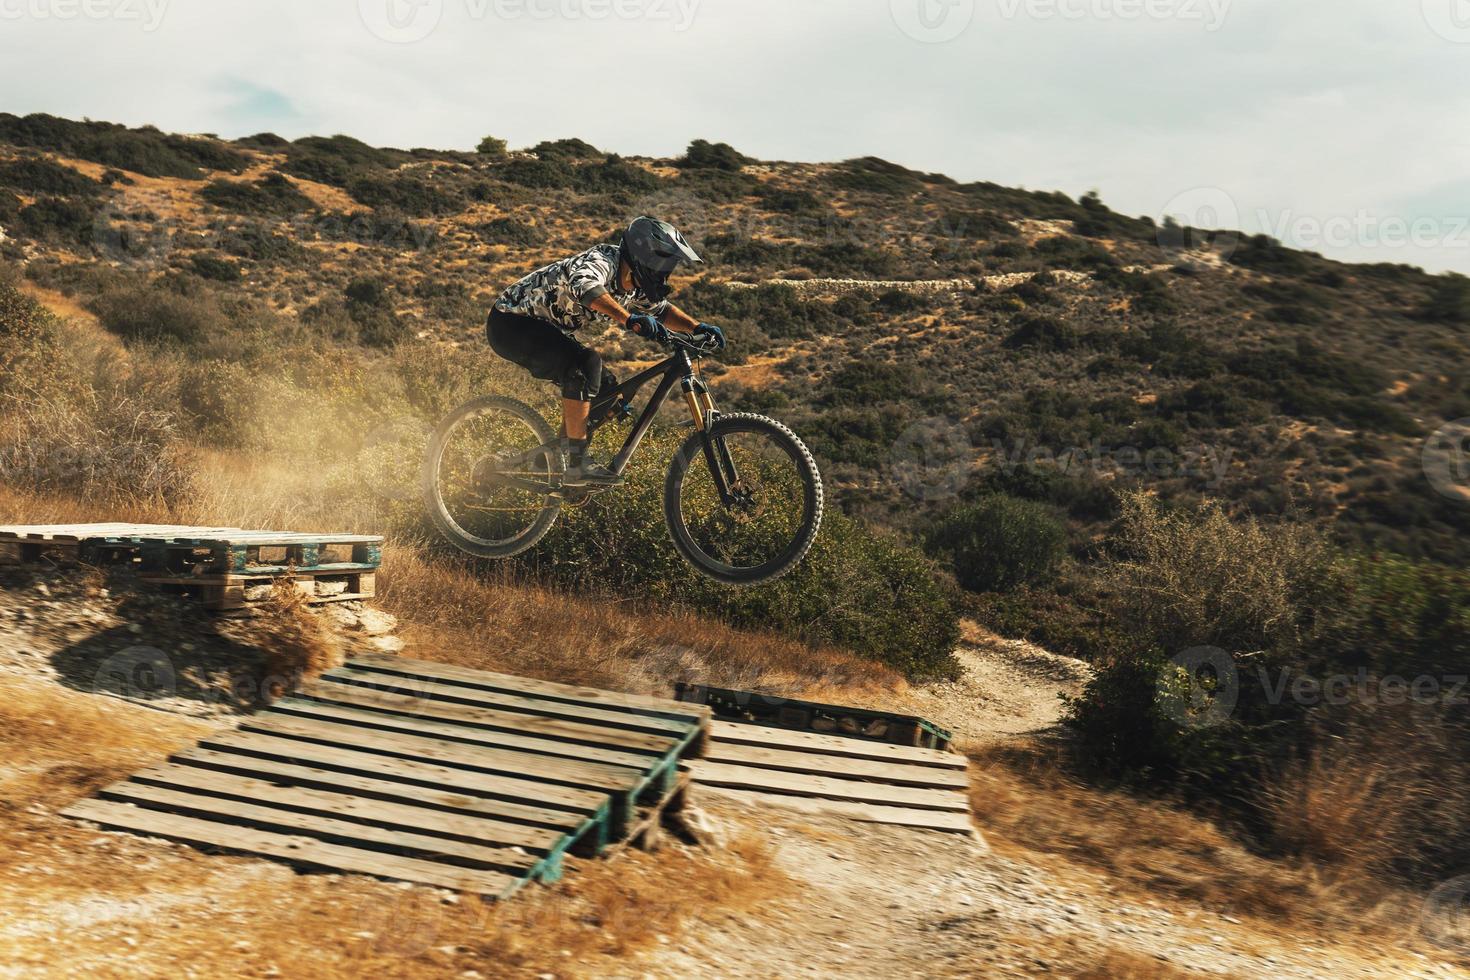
x=300 y=851
x=303 y=708
x=772 y=780
x=372 y=787
x=509 y=702
x=763 y=736
x=488 y=718
x=328 y=829
x=899 y=774
x=424 y=747
x=345 y=804
x=507 y=684
x=443 y=777
x=959 y=823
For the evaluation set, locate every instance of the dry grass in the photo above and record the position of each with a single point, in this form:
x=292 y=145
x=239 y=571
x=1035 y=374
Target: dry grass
x=1023 y=798
x=451 y=613
x=1383 y=793
x=297 y=643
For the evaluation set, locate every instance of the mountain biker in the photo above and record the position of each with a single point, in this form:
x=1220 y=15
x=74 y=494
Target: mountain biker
x=533 y=322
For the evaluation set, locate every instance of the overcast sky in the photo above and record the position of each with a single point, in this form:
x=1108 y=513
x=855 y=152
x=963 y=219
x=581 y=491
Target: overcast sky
x=1337 y=125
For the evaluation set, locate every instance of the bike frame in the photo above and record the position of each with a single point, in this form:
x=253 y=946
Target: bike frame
x=676 y=369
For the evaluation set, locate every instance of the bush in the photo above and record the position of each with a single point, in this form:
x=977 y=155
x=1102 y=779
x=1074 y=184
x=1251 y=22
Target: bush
x=60 y=219
x=566 y=149
x=1449 y=302
x=214 y=268
x=1000 y=543
x=273 y=194
x=35 y=175
x=1040 y=332
x=714 y=156
x=492 y=147
x=145 y=151
x=156 y=313
x=415 y=193
x=337 y=159
x=857 y=588
x=510 y=231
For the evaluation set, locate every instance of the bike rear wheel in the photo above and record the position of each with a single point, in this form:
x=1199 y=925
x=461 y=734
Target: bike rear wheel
x=777 y=511
x=484 y=474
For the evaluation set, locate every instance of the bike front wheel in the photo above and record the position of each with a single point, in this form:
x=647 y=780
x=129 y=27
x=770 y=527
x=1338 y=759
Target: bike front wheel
x=488 y=477
x=744 y=500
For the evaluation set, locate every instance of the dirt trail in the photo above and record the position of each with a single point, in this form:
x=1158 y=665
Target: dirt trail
x=885 y=902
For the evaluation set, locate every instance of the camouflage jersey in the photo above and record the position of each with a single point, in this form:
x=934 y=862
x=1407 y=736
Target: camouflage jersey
x=559 y=293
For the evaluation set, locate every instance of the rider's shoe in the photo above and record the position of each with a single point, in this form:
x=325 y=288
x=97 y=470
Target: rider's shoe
x=585 y=473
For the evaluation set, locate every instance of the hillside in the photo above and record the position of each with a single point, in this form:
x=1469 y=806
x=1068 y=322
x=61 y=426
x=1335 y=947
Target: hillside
x=1068 y=451
x=1059 y=350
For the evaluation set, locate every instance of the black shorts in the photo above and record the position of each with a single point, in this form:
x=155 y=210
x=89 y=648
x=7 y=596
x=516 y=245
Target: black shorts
x=548 y=353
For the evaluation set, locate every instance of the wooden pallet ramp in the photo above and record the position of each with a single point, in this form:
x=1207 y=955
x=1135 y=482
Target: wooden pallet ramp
x=856 y=778
x=422 y=772
x=225 y=567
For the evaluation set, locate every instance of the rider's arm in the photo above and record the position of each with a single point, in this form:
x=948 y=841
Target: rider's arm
x=610 y=308
x=678 y=321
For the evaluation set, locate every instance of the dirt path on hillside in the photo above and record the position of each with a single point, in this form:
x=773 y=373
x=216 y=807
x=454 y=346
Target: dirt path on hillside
x=886 y=902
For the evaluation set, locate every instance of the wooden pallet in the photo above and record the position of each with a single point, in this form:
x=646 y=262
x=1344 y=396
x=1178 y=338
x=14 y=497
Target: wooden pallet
x=177 y=549
x=765 y=709
x=223 y=566
x=857 y=778
x=423 y=772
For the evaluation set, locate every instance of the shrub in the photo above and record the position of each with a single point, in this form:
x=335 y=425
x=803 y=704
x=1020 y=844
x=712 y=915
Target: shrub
x=1449 y=302
x=145 y=151
x=1040 y=332
x=510 y=231
x=877 y=176
x=414 y=193
x=715 y=156
x=857 y=588
x=999 y=543
x=215 y=268
x=566 y=149
x=336 y=159
x=160 y=314
x=30 y=355
x=59 y=219
x=35 y=175
x=273 y=194
x=492 y=147
x=1193 y=578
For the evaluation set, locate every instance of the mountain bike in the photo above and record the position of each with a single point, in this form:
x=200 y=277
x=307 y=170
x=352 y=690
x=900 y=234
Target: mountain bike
x=743 y=497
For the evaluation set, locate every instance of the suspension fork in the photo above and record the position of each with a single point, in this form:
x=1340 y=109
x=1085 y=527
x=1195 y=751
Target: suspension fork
x=716 y=454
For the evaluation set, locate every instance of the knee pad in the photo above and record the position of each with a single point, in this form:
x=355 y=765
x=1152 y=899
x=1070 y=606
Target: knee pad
x=584 y=377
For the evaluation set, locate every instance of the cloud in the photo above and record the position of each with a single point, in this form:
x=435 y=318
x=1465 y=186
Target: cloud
x=1317 y=108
